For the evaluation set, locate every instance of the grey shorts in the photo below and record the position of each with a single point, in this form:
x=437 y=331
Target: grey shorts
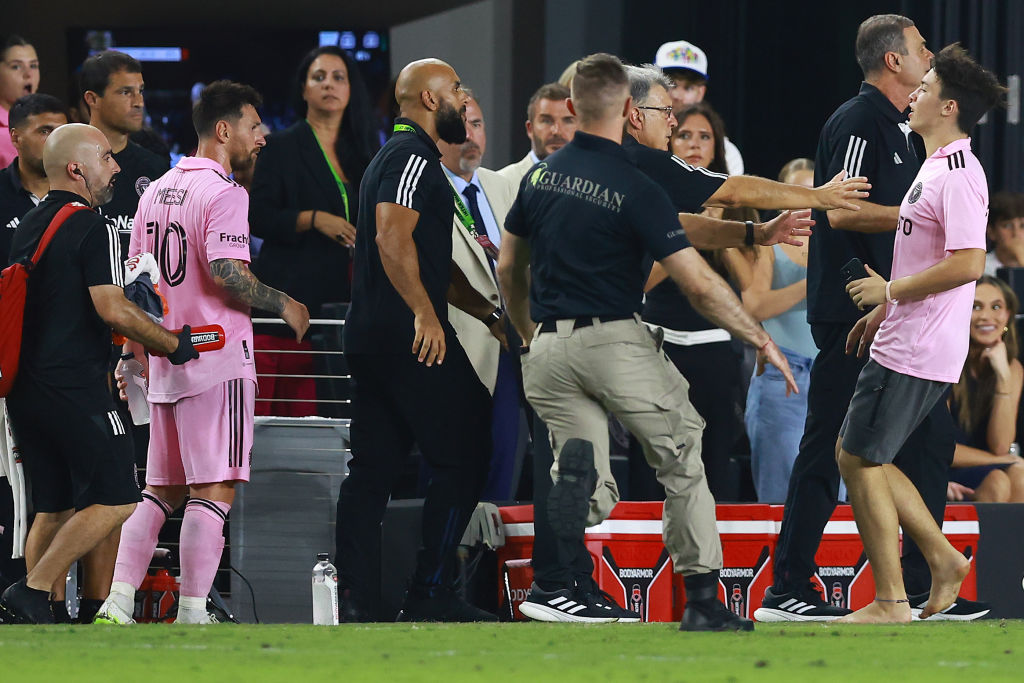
x=886 y=407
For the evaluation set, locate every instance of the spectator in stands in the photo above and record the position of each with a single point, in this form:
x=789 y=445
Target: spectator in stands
x=1005 y=231
x=773 y=281
x=984 y=402
x=687 y=65
x=549 y=126
x=304 y=202
x=703 y=352
x=19 y=76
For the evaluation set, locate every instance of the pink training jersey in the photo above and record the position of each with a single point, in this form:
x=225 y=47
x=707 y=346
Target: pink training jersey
x=192 y=215
x=945 y=210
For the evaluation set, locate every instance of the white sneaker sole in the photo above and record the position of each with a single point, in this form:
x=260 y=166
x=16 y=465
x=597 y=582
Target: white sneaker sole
x=915 y=615
x=538 y=612
x=769 y=615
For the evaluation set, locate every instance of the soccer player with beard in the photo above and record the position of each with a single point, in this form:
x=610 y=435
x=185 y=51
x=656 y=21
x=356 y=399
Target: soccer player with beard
x=413 y=380
x=195 y=221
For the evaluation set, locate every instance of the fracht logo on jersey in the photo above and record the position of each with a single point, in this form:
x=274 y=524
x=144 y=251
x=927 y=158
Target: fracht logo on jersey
x=574 y=186
x=235 y=240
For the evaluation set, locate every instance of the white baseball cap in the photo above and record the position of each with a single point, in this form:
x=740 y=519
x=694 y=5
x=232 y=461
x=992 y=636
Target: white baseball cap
x=680 y=54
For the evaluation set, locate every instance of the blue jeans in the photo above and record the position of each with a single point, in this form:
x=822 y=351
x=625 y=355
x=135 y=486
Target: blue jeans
x=775 y=424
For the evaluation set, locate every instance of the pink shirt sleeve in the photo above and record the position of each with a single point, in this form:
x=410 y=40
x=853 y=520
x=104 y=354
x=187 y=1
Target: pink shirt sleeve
x=964 y=212
x=227 y=225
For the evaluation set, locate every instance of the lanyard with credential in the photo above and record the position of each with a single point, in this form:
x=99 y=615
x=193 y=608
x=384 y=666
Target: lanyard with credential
x=337 y=178
x=461 y=212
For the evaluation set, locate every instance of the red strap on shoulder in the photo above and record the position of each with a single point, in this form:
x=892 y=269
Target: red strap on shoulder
x=63 y=214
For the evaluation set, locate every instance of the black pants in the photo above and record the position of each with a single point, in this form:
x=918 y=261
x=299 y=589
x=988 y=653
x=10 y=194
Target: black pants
x=714 y=373
x=398 y=401
x=814 y=485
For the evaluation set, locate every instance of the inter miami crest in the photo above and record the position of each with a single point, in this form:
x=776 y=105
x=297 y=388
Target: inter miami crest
x=141 y=184
x=915 y=193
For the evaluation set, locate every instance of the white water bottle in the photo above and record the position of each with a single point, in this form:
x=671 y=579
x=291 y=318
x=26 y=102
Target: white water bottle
x=138 y=405
x=325 y=592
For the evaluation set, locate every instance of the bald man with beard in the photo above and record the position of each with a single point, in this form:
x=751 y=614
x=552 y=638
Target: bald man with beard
x=82 y=473
x=413 y=380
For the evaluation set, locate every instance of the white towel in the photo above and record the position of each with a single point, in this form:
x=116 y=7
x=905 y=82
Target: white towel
x=10 y=467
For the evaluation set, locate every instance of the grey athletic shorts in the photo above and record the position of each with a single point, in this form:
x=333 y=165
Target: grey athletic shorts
x=886 y=407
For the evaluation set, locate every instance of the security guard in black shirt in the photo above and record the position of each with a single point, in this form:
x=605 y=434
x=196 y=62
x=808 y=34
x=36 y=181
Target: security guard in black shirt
x=413 y=381
x=83 y=472
x=867 y=135
x=574 y=245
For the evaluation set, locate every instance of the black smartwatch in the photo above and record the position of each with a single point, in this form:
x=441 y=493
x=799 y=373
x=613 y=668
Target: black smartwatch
x=493 y=317
x=749 y=239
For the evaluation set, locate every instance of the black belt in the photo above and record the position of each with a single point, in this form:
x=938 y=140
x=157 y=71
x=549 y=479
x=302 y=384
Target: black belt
x=551 y=326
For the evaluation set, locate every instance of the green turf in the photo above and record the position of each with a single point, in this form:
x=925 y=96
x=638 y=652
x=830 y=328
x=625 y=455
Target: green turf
x=981 y=651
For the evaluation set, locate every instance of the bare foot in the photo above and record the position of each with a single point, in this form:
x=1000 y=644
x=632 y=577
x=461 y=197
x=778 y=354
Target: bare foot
x=946 y=580
x=879 y=613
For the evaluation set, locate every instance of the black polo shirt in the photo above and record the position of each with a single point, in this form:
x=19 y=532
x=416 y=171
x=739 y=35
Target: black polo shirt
x=591 y=217
x=870 y=137
x=688 y=187
x=406 y=171
x=65 y=343
x=15 y=202
x=139 y=167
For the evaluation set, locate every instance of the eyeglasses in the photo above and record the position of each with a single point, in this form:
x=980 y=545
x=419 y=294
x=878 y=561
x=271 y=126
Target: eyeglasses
x=666 y=110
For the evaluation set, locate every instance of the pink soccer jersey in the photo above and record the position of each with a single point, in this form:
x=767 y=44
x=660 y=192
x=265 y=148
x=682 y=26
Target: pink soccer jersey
x=945 y=210
x=192 y=215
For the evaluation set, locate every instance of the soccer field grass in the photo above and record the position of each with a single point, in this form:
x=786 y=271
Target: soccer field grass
x=980 y=651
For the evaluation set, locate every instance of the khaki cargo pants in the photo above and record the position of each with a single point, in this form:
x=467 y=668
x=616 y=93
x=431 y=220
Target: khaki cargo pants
x=573 y=378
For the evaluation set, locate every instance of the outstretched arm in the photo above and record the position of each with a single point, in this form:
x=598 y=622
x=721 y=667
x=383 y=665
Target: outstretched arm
x=761 y=193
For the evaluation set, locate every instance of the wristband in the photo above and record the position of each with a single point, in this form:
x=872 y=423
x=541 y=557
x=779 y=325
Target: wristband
x=312 y=220
x=888 y=294
x=762 y=347
x=749 y=239
x=493 y=317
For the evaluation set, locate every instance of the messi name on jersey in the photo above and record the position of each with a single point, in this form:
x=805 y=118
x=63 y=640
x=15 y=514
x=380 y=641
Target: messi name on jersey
x=574 y=186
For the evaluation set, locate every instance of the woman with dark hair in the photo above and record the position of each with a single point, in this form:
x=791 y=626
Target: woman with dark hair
x=984 y=402
x=704 y=353
x=19 y=76
x=303 y=206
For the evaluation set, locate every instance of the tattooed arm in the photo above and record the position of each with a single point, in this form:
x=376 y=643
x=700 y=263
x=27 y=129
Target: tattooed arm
x=235 y=277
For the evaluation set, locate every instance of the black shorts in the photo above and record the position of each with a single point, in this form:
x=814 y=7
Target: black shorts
x=887 y=406
x=76 y=449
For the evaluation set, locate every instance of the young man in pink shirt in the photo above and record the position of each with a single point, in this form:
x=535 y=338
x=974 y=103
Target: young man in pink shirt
x=921 y=317
x=194 y=220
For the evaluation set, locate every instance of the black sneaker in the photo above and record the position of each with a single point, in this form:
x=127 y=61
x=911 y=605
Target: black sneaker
x=961 y=610
x=443 y=605
x=24 y=605
x=712 y=615
x=805 y=605
x=569 y=499
x=589 y=593
x=568 y=605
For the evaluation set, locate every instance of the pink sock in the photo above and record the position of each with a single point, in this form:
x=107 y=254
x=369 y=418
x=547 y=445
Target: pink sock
x=202 y=542
x=138 y=539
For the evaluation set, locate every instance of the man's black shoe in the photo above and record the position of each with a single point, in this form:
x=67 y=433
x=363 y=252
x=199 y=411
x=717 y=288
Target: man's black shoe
x=567 y=605
x=442 y=605
x=24 y=605
x=961 y=610
x=569 y=499
x=803 y=605
x=351 y=610
x=711 y=615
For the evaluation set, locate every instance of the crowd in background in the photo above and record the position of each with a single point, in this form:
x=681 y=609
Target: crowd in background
x=304 y=202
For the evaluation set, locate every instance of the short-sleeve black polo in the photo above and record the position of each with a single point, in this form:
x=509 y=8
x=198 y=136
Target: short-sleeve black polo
x=15 y=202
x=870 y=137
x=139 y=167
x=406 y=171
x=65 y=343
x=591 y=217
x=688 y=187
